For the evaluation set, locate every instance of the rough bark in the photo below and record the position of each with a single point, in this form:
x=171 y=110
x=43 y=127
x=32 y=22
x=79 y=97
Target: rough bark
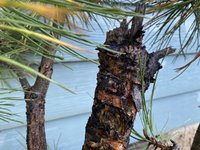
x=196 y=141
x=35 y=102
x=35 y=106
x=119 y=84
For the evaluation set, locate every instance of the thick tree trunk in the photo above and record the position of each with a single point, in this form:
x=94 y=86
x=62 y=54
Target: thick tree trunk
x=196 y=141
x=119 y=85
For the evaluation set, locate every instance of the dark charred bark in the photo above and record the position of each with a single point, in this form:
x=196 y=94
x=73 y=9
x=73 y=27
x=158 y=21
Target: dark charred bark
x=118 y=92
x=196 y=141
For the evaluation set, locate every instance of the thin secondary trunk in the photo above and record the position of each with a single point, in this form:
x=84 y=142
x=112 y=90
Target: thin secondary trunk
x=35 y=106
x=119 y=85
x=35 y=102
x=196 y=141
x=36 y=139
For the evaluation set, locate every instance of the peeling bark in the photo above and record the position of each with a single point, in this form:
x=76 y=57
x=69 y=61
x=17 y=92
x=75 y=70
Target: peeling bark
x=118 y=92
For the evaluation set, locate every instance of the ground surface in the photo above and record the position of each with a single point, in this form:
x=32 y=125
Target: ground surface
x=182 y=136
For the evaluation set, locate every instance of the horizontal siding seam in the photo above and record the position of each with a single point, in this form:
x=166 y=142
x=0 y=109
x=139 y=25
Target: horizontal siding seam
x=88 y=112
x=49 y=120
x=96 y=59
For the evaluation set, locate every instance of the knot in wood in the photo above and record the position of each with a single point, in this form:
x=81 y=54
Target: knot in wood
x=33 y=96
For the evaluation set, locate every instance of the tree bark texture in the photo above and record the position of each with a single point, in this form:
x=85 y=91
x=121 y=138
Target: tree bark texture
x=196 y=141
x=35 y=106
x=119 y=84
x=35 y=101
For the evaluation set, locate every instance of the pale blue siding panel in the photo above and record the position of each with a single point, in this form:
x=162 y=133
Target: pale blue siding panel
x=67 y=132
x=60 y=103
x=96 y=35
x=82 y=80
x=170 y=112
x=184 y=83
x=176 y=101
x=174 y=111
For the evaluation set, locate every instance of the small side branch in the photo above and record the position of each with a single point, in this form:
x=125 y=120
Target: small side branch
x=22 y=78
x=35 y=107
x=46 y=68
x=153 y=62
x=158 y=144
x=138 y=21
x=162 y=53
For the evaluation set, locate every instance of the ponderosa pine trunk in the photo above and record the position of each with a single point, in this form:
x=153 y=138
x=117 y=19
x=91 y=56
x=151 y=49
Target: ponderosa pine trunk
x=196 y=141
x=118 y=92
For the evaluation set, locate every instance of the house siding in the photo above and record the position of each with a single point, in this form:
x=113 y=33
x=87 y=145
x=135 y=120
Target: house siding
x=175 y=101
